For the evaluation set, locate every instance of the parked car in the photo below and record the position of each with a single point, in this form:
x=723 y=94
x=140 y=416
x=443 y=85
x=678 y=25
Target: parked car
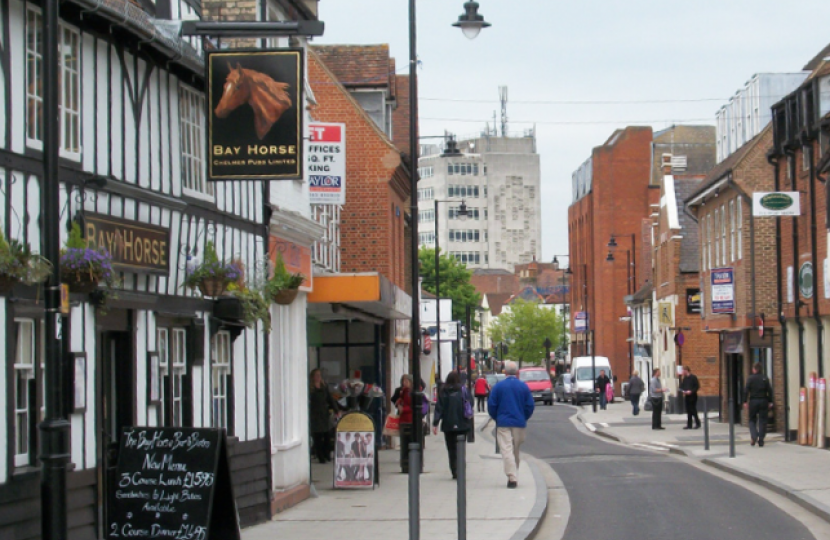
x=563 y=390
x=584 y=379
x=493 y=378
x=538 y=380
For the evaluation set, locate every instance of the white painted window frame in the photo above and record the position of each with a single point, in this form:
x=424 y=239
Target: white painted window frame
x=192 y=145
x=220 y=369
x=25 y=371
x=70 y=116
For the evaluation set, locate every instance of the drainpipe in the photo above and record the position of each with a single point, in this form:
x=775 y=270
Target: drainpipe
x=796 y=292
x=808 y=146
x=782 y=320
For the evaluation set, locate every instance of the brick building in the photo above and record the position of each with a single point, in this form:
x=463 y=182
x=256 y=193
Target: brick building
x=722 y=207
x=612 y=192
x=361 y=312
x=682 y=158
x=799 y=162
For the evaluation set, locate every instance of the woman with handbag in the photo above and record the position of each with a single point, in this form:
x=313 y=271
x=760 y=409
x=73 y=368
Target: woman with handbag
x=453 y=411
x=320 y=407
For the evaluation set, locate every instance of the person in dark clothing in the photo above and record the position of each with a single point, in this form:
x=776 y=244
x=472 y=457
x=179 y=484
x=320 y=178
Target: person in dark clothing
x=636 y=387
x=759 y=401
x=656 y=394
x=690 y=386
x=320 y=406
x=602 y=382
x=449 y=412
x=402 y=399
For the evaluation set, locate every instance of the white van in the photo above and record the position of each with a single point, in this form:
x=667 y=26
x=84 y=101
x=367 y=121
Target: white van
x=584 y=379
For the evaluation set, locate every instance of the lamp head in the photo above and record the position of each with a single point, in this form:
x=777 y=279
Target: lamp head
x=463 y=213
x=612 y=243
x=470 y=21
x=610 y=257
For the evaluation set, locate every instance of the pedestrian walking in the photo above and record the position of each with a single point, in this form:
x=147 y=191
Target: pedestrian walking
x=510 y=405
x=656 y=394
x=636 y=387
x=690 y=386
x=481 y=391
x=601 y=385
x=758 y=402
x=321 y=407
x=402 y=398
x=449 y=412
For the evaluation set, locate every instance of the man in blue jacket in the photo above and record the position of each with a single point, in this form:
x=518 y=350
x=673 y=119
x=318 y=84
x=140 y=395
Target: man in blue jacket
x=510 y=405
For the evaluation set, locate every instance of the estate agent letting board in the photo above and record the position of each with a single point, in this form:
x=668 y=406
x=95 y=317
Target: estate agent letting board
x=254 y=117
x=173 y=483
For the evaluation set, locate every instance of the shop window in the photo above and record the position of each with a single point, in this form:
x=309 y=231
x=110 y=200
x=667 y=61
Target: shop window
x=220 y=376
x=732 y=230
x=740 y=219
x=191 y=116
x=69 y=87
x=24 y=391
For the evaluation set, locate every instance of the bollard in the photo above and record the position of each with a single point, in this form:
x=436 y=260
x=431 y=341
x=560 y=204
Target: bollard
x=705 y=425
x=461 y=470
x=414 y=492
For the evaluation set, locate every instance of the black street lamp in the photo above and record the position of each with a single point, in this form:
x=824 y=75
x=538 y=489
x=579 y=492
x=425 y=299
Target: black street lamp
x=631 y=268
x=414 y=448
x=470 y=21
x=547 y=345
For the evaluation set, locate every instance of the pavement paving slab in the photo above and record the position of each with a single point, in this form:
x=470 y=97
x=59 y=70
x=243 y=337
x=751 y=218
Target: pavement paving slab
x=493 y=511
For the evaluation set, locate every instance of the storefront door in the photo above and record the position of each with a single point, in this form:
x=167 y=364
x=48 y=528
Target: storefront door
x=116 y=365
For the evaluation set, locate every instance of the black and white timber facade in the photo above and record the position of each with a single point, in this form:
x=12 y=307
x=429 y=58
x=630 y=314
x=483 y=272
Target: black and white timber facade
x=132 y=111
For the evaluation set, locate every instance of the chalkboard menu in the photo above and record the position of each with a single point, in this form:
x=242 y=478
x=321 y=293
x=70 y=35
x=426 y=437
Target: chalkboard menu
x=173 y=483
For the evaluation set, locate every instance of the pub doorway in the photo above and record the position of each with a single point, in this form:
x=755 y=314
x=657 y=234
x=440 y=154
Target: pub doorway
x=116 y=408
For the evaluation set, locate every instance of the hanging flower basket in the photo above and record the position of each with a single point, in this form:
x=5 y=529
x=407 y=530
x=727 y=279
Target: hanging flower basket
x=213 y=287
x=285 y=296
x=7 y=283
x=83 y=286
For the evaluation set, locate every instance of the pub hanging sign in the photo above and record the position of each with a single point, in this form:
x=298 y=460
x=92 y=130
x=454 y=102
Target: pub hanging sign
x=133 y=246
x=254 y=115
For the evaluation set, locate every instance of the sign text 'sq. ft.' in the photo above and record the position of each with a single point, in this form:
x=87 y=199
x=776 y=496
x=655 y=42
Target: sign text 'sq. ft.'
x=326 y=163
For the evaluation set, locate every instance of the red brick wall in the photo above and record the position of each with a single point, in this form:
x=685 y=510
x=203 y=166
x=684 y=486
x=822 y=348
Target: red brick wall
x=372 y=226
x=617 y=204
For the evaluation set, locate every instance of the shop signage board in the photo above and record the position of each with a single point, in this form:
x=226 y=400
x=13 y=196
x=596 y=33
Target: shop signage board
x=733 y=343
x=581 y=322
x=173 y=483
x=776 y=203
x=723 y=290
x=326 y=163
x=255 y=120
x=664 y=310
x=134 y=246
x=694 y=300
x=355 y=454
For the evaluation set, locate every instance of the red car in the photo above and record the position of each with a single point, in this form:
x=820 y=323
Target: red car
x=538 y=380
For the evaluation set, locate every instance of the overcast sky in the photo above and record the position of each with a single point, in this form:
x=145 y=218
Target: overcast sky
x=680 y=60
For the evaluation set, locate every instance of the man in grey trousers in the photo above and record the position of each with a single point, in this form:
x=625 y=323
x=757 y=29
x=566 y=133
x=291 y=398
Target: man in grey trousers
x=656 y=394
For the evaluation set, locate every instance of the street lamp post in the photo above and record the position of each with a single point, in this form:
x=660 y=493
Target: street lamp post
x=469 y=22
x=547 y=345
x=54 y=453
x=471 y=434
x=631 y=272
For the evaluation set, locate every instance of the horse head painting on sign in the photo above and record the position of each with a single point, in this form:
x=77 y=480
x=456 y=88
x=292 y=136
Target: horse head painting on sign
x=268 y=98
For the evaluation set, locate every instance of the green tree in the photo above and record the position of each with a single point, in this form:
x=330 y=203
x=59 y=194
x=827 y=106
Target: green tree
x=524 y=328
x=455 y=283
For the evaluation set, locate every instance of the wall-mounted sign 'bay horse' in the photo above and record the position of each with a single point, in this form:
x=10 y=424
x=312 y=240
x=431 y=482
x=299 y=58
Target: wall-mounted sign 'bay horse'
x=268 y=98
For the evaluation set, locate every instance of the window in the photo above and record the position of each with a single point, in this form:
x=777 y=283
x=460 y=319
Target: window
x=466 y=257
x=472 y=213
x=740 y=221
x=69 y=87
x=449 y=169
x=723 y=233
x=485 y=192
x=426 y=238
x=716 y=237
x=24 y=390
x=703 y=244
x=426 y=172
x=426 y=216
x=191 y=114
x=732 y=230
x=173 y=368
x=220 y=376
x=464 y=235
x=805 y=162
x=464 y=192
x=426 y=194
x=709 y=241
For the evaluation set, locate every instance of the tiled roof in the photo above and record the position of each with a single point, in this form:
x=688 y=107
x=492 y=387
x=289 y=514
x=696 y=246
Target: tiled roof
x=358 y=65
x=729 y=163
x=496 y=301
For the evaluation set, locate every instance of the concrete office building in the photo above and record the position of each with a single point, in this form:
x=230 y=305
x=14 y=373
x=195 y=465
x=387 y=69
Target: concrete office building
x=498 y=178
